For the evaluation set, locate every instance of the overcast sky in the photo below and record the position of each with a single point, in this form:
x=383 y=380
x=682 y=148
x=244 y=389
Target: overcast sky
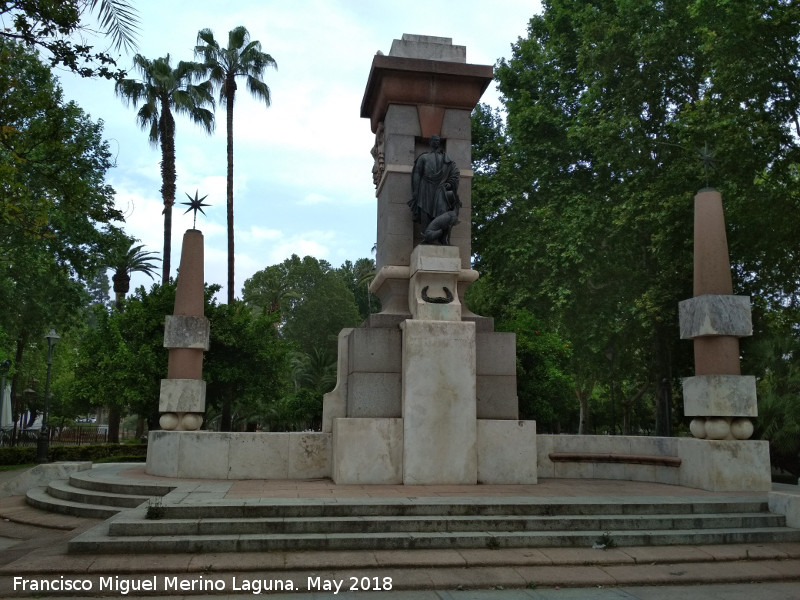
x=302 y=168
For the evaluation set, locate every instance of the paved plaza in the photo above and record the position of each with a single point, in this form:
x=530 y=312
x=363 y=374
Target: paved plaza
x=33 y=544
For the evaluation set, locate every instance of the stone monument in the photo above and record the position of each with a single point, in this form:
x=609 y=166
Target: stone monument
x=182 y=403
x=426 y=390
x=719 y=399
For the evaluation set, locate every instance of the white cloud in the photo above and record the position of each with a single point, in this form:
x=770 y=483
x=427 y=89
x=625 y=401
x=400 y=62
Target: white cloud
x=302 y=168
x=260 y=234
x=315 y=198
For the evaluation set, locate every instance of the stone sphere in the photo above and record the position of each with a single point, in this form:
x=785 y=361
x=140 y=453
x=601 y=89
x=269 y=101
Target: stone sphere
x=168 y=421
x=717 y=428
x=698 y=428
x=191 y=421
x=742 y=428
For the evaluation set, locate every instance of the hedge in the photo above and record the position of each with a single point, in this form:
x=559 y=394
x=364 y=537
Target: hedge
x=20 y=455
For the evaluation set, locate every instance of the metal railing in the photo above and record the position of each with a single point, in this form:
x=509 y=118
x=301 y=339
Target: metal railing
x=76 y=435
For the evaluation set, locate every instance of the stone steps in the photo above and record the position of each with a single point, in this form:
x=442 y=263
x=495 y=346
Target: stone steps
x=407 y=524
x=443 y=506
x=66 y=491
x=86 y=480
x=472 y=569
x=86 y=495
x=194 y=544
x=40 y=498
x=440 y=524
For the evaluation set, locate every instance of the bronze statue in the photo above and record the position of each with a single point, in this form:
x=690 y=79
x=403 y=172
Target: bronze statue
x=434 y=193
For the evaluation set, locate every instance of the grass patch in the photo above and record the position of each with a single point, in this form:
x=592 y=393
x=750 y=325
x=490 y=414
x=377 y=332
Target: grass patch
x=121 y=458
x=16 y=467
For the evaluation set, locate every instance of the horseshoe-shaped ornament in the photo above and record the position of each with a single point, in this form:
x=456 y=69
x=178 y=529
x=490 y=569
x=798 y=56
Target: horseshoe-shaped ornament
x=446 y=299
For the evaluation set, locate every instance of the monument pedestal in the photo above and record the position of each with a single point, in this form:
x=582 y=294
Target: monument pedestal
x=725 y=465
x=433 y=401
x=439 y=417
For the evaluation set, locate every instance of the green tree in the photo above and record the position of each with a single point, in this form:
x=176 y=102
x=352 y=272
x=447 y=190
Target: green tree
x=55 y=207
x=773 y=353
x=162 y=91
x=125 y=259
x=242 y=58
x=315 y=371
x=53 y=26
x=121 y=359
x=246 y=366
x=583 y=201
x=321 y=308
x=357 y=277
x=269 y=291
x=310 y=303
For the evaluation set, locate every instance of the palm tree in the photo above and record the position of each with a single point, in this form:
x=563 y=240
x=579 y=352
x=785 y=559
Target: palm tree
x=364 y=272
x=242 y=58
x=315 y=371
x=120 y=20
x=162 y=91
x=126 y=259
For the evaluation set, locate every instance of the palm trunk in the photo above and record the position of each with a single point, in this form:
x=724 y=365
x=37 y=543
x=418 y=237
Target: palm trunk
x=229 y=123
x=583 y=403
x=16 y=409
x=114 y=417
x=663 y=396
x=226 y=418
x=122 y=284
x=168 y=178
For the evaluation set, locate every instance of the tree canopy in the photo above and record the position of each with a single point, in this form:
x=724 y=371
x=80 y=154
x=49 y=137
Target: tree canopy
x=55 y=208
x=60 y=27
x=165 y=90
x=312 y=300
x=614 y=112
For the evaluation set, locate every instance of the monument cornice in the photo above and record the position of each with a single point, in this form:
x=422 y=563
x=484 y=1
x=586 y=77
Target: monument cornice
x=406 y=170
x=417 y=81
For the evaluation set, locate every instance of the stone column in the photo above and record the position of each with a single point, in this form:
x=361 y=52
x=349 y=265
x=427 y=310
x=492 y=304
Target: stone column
x=720 y=399
x=186 y=333
x=423 y=87
x=426 y=390
x=439 y=374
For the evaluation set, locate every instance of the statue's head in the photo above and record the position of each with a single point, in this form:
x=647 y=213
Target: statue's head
x=435 y=142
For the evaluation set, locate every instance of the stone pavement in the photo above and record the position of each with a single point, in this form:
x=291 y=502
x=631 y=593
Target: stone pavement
x=753 y=591
x=33 y=546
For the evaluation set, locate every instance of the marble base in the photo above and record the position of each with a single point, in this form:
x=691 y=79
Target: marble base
x=720 y=396
x=182 y=396
x=713 y=465
x=786 y=503
x=507 y=452
x=715 y=314
x=433 y=288
x=368 y=451
x=439 y=403
x=186 y=331
x=216 y=455
x=725 y=466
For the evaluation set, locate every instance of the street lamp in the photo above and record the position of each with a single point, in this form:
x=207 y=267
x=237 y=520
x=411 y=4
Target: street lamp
x=5 y=366
x=43 y=443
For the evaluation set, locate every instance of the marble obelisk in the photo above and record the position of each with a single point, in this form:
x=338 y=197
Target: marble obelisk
x=186 y=333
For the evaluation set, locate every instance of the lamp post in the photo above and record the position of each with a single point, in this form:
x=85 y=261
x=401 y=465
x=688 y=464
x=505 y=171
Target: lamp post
x=4 y=368
x=43 y=443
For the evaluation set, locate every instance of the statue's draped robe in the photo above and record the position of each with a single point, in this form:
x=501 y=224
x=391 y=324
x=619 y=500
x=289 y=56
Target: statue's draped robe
x=432 y=171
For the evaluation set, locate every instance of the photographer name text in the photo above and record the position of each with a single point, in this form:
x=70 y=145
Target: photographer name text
x=199 y=583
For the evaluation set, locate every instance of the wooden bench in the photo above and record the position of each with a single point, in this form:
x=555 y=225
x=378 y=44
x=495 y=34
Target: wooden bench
x=631 y=459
